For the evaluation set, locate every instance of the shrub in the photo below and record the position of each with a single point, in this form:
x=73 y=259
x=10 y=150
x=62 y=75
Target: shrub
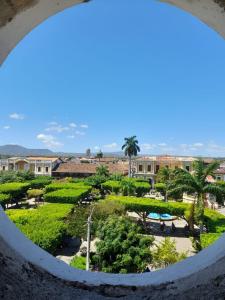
x=66 y=195
x=78 y=262
x=15 y=176
x=142 y=188
x=160 y=187
x=35 y=193
x=4 y=200
x=63 y=186
x=215 y=222
x=207 y=239
x=112 y=186
x=40 y=182
x=128 y=186
x=16 y=190
x=45 y=226
x=151 y=205
x=166 y=254
x=95 y=180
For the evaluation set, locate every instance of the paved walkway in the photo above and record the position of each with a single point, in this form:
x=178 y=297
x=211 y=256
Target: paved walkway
x=183 y=244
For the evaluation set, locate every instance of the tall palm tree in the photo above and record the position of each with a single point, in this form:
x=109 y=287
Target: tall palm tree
x=131 y=148
x=196 y=183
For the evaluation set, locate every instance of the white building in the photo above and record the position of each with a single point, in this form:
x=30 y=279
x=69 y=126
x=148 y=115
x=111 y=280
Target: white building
x=37 y=165
x=148 y=167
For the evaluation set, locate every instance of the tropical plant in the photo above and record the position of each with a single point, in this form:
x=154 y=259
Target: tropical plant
x=122 y=249
x=128 y=187
x=102 y=170
x=165 y=176
x=166 y=254
x=131 y=148
x=196 y=183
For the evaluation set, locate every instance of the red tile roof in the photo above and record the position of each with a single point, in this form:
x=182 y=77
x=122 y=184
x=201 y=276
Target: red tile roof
x=88 y=168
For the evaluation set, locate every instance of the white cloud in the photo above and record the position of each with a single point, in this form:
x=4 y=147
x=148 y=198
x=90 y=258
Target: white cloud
x=96 y=148
x=77 y=132
x=198 y=145
x=57 y=128
x=111 y=146
x=49 y=140
x=72 y=125
x=147 y=146
x=71 y=136
x=162 y=144
x=6 y=127
x=85 y=126
x=16 y=116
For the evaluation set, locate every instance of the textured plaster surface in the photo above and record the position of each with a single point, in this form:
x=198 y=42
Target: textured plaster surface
x=27 y=272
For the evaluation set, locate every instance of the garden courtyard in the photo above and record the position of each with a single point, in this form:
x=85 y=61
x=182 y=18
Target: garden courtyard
x=125 y=236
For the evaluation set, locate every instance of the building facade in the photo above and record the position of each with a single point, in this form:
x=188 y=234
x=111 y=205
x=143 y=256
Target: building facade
x=37 y=165
x=148 y=167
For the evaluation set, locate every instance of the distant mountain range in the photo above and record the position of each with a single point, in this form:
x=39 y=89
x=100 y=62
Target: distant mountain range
x=17 y=150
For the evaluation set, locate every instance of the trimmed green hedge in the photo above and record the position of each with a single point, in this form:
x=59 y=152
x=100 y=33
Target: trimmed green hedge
x=63 y=186
x=214 y=221
x=45 y=226
x=40 y=182
x=66 y=196
x=35 y=193
x=141 y=188
x=79 y=262
x=15 y=189
x=207 y=239
x=151 y=205
x=4 y=200
x=112 y=186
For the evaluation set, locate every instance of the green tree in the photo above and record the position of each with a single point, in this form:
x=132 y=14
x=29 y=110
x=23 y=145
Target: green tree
x=196 y=183
x=128 y=187
x=77 y=221
x=166 y=254
x=99 y=155
x=102 y=170
x=131 y=148
x=165 y=175
x=121 y=248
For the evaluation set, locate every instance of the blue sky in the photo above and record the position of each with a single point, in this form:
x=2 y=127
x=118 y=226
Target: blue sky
x=103 y=70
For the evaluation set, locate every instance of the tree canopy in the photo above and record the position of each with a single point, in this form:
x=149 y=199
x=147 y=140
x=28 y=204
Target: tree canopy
x=121 y=248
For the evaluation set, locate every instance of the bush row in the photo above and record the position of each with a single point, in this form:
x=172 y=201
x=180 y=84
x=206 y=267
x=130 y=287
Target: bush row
x=4 y=200
x=45 y=226
x=40 y=182
x=140 y=187
x=14 y=191
x=64 y=185
x=151 y=205
x=66 y=195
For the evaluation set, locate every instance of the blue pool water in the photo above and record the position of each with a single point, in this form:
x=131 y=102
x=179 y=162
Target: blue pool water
x=160 y=217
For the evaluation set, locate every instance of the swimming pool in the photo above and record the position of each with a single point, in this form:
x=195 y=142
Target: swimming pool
x=163 y=217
